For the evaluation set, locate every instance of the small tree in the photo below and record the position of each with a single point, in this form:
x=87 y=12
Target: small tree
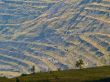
x=33 y=69
x=79 y=63
x=17 y=80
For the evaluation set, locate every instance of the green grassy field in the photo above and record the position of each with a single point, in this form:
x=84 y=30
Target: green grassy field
x=99 y=74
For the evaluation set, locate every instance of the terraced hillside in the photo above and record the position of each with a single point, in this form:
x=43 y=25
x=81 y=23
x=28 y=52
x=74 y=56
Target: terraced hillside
x=53 y=34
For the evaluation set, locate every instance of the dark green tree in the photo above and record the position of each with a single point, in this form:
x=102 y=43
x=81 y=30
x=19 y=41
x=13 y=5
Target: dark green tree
x=17 y=80
x=79 y=63
x=33 y=69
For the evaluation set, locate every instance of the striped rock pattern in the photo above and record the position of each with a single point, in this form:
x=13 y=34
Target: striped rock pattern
x=53 y=34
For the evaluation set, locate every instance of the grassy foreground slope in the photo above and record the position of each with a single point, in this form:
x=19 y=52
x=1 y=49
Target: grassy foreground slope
x=99 y=74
